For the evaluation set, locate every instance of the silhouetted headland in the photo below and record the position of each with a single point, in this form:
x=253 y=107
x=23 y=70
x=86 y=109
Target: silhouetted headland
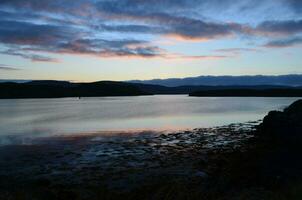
x=57 y=89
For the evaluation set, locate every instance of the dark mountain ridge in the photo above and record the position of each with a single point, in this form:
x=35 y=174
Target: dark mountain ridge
x=280 y=80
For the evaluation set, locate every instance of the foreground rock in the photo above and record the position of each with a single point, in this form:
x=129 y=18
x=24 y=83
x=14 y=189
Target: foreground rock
x=285 y=125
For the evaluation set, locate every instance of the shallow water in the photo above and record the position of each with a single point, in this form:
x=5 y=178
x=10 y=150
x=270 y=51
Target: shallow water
x=46 y=117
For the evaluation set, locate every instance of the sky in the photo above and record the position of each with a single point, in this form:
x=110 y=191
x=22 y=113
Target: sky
x=90 y=40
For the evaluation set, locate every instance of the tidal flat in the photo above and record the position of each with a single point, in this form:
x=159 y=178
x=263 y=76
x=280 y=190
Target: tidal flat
x=130 y=164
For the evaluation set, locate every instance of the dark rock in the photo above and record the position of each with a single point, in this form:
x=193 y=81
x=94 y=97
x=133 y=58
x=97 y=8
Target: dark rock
x=286 y=125
x=201 y=174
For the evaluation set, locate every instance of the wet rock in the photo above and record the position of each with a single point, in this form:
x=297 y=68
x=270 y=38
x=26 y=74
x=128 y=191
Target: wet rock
x=285 y=125
x=201 y=174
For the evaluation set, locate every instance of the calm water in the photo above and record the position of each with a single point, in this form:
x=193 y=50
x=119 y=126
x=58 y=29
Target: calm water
x=36 y=117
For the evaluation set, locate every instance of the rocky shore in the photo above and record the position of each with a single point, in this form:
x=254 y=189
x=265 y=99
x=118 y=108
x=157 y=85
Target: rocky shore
x=237 y=161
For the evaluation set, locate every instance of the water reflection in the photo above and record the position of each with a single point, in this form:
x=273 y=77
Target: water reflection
x=73 y=115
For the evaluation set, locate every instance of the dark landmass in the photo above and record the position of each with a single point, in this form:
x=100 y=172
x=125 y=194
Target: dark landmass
x=187 y=89
x=14 y=80
x=241 y=161
x=283 y=92
x=57 y=89
x=288 y=80
x=284 y=126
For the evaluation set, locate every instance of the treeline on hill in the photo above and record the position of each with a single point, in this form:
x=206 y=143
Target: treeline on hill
x=283 y=92
x=57 y=89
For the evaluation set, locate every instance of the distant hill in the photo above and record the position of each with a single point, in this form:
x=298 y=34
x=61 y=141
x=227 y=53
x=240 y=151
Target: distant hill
x=284 y=80
x=57 y=89
x=14 y=80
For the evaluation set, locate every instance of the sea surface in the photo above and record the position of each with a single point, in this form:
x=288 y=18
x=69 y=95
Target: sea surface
x=69 y=116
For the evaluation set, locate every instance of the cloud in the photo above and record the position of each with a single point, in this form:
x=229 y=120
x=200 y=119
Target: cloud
x=204 y=57
x=27 y=40
x=296 y=5
x=76 y=7
x=103 y=48
x=177 y=27
x=287 y=27
x=124 y=48
x=156 y=16
x=30 y=56
x=196 y=57
x=162 y=18
x=197 y=29
x=24 y=33
x=106 y=28
x=236 y=50
x=30 y=38
x=282 y=43
x=8 y=68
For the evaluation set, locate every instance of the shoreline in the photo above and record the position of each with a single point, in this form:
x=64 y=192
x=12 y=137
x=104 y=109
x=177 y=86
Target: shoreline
x=109 y=134
x=120 y=165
